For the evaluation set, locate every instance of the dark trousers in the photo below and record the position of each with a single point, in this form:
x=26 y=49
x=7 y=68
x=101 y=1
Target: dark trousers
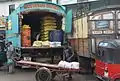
x=11 y=68
x=1 y=63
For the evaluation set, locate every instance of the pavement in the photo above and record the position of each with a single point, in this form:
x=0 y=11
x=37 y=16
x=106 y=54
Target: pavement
x=28 y=75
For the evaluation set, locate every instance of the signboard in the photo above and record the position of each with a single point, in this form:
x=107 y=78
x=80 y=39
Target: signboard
x=50 y=7
x=108 y=32
x=103 y=32
x=96 y=32
x=102 y=24
x=40 y=5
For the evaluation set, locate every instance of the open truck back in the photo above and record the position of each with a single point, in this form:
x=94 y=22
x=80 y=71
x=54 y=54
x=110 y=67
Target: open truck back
x=33 y=14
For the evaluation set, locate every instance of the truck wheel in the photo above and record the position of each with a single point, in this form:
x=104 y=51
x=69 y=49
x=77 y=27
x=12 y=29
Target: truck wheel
x=117 y=80
x=102 y=80
x=98 y=79
x=43 y=74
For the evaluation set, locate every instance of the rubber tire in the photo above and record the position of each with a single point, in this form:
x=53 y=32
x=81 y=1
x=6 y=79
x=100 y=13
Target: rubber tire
x=41 y=73
x=98 y=79
x=117 y=80
x=53 y=74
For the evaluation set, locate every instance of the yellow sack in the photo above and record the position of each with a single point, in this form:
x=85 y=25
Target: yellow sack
x=48 y=21
x=25 y=26
x=49 y=17
x=46 y=38
x=43 y=31
x=48 y=24
x=46 y=43
x=47 y=29
x=37 y=43
x=50 y=27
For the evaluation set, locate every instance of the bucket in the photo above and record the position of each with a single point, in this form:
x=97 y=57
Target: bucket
x=56 y=36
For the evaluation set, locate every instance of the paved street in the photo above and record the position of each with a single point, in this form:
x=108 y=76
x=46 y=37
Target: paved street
x=28 y=75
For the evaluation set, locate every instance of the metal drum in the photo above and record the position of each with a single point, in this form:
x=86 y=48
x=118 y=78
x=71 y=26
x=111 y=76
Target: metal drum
x=56 y=36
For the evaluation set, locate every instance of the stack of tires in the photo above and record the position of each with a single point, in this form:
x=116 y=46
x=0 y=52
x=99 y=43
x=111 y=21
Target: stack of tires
x=48 y=24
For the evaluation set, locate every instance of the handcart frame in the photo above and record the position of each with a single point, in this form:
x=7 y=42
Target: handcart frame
x=51 y=69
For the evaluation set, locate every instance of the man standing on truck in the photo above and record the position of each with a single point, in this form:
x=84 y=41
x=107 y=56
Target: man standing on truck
x=10 y=54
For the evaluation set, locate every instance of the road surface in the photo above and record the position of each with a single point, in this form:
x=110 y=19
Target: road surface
x=28 y=75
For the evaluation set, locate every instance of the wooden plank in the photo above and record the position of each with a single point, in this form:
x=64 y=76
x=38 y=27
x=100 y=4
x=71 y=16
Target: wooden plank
x=42 y=47
x=51 y=66
x=38 y=64
x=81 y=46
x=80 y=28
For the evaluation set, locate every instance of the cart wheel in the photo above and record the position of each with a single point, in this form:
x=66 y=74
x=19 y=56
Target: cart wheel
x=98 y=79
x=117 y=80
x=53 y=74
x=43 y=74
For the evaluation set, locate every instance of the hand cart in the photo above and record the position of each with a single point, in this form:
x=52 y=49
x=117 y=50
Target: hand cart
x=46 y=72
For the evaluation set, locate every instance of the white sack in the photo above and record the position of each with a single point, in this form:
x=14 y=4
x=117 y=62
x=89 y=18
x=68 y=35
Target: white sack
x=64 y=64
x=75 y=65
x=61 y=64
x=68 y=65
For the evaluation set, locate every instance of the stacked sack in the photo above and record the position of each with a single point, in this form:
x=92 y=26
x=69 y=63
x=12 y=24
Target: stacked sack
x=37 y=43
x=46 y=44
x=69 y=65
x=48 y=24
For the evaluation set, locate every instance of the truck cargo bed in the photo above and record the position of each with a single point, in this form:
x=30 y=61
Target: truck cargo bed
x=42 y=47
x=42 y=52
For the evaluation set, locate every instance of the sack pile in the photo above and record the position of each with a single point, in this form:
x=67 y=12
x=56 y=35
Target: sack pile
x=69 y=65
x=37 y=43
x=41 y=44
x=48 y=24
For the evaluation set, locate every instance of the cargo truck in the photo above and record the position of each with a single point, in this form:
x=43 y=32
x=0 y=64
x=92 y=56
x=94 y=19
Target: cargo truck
x=42 y=18
x=104 y=35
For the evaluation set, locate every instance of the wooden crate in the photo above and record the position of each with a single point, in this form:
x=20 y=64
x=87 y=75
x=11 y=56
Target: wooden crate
x=80 y=46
